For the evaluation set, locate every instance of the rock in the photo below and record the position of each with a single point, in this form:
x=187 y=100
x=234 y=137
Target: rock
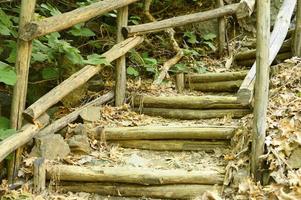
x=294 y=160
x=91 y=113
x=50 y=147
x=79 y=144
x=80 y=129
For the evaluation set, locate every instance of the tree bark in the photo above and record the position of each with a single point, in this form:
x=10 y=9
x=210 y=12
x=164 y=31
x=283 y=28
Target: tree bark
x=297 y=33
x=221 y=30
x=215 y=77
x=223 y=86
x=77 y=79
x=180 y=82
x=39 y=175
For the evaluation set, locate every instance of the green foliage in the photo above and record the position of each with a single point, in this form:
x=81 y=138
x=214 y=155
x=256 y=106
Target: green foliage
x=80 y=30
x=208 y=40
x=5 y=131
x=192 y=39
x=132 y=71
x=96 y=59
x=50 y=73
x=7 y=74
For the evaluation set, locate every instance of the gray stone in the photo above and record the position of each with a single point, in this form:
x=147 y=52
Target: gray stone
x=50 y=147
x=91 y=114
x=295 y=159
x=79 y=144
x=80 y=129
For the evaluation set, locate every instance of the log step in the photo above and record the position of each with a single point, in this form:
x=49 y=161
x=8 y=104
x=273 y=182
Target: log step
x=164 y=133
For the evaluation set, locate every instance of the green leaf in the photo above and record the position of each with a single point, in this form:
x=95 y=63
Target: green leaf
x=5 y=133
x=95 y=59
x=209 y=36
x=7 y=74
x=5 y=19
x=79 y=30
x=4 y=123
x=191 y=37
x=39 y=57
x=132 y=71
x=13 y=53
x=210 y=45
x=4 y=30
x=50 y=73
x=52 y=10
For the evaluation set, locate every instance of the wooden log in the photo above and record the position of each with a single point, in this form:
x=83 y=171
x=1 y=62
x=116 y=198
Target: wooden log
x=221 y=30
x=48 y=25
x=279 y=58
x=120 y=84
x=64 y=121
x=186 y=102
x=180 y=21
x=20 y=88
x=261 y=85
x=180 y=82
x=78 y=79
x=25 y=134
x=164 y=132
x=141 y=176
x=215 y=77
x=172 y=145
x=282 y=23
x=297 y=34
x=223 y=86
x=251 y=54
x=39 y=175
x=181 y=191
x=245 y=8
x=187 y=114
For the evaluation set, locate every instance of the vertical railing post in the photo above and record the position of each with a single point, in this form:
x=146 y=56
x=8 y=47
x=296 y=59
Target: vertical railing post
x=261 y=86
x=221 y=30
x=297 y=34
x=120 y=84
x=20 y=88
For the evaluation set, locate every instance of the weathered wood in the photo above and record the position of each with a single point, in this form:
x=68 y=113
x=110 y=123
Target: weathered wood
x=215 y=77
x=245 y=8
x=187 y=114
x=180 y=21
x=39 y=175
x=141 y=176
x=221 y=30
x=186 y=102
x=64 y=121
x=172 y=145
x=282 y=23
x=20 y=88
x=120 y=84
x=261 y=85
x=25 y=134
x=180 y=82
x=62 y=21
x=297 y=34
x=163 y=132
x=77 y=79
x=251 y=54
x=181 y=191
x=222 y=86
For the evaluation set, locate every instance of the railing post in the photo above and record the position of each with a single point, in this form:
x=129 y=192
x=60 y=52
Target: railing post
x=261 y=86
x=297 y=34
x=221 y=30
x=20 y=88
x=120 y=84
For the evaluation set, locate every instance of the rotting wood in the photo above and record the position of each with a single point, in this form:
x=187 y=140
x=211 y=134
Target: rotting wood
x=187 y=114
x=64 y=121
x=180 y=21
x=222 y=86
x=25 y=134
x=120 y=83
x=297 y=34
x=221 y=30
x=262 y=86
x=180 y=82
x=172 y=145
x=141 y=176
x=20 y=88
x=62 y=21
x=77 y=79
x=281 y=27
x=186 y=102
x=163 y=132
x=181 y=191
x=215 y=77
x=39 y=175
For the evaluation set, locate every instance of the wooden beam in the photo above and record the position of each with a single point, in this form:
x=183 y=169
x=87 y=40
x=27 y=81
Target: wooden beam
x=24 y=135
x=187 y=114
x=282 y=23
x=20 y=88
x=39 y=175
x=215 y=77
x=141 y=176
x=78 y=79
x=221 y=30
x=222 y=86
x=180 y=82
x=63 y=21
x=120 y=84
x=186 y=102
x=180 y=21
x=261 y=85
x=181 y=191
x=163 y=132
x=297 y=33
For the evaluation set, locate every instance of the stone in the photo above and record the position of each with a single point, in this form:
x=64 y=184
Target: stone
x=50 y=147
x=79 y=144
x=294 y=160
x=91 y=114
x=80 y=129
